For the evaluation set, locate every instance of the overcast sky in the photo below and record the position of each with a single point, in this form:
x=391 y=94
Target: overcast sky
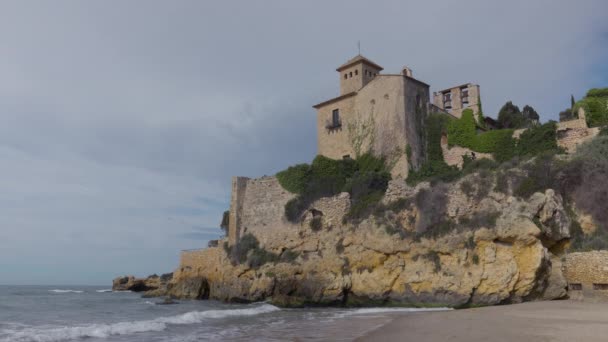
x=123 y=121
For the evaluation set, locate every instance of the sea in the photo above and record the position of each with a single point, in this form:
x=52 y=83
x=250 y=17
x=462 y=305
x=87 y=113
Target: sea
x=96 y=314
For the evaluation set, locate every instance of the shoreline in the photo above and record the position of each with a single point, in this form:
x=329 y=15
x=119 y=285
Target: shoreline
x=562 y=320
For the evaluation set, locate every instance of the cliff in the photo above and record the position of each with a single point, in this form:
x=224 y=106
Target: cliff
x=461 y=244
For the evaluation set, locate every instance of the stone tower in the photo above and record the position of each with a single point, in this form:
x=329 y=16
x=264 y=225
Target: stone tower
x=356 y=73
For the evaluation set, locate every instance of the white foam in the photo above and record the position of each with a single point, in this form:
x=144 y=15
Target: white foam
x=66 y=291
x=382 y=310
x=368 y=311
x=102 y=291
x=126 y=328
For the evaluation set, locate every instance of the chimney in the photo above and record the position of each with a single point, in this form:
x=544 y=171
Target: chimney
x=406 y=72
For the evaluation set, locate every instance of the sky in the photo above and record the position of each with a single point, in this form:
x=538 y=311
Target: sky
x=122 y=122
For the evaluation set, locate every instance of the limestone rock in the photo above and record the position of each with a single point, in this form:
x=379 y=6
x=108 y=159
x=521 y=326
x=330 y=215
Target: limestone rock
x=378 y=260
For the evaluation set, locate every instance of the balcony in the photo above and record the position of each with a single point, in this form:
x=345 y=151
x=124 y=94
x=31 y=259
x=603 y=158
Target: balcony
x=447 y=104
x=333 y=124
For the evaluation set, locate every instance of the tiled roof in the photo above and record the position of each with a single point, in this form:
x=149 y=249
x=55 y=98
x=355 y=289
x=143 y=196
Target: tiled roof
x=357 y=59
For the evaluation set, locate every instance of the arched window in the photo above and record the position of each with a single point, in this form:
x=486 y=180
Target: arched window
x=350 y=74
x=356 y=72
x=345 y=76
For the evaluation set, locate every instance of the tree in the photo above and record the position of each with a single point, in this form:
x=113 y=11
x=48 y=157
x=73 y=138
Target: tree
x=530 y=116
x=566 y=115
x=510 y=116
x=572 y=102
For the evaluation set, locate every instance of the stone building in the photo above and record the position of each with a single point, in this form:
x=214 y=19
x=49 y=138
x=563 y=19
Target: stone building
x=382 y=113
x=456 y=99
x=587 y=275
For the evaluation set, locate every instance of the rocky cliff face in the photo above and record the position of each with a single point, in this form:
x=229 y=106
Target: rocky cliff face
x=460 y=244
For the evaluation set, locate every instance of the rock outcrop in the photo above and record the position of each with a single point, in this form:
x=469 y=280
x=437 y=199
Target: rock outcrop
x=153 y=284
x=457 y=246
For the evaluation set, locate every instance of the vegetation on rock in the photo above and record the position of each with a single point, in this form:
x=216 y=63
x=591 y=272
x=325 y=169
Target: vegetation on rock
x=595 y=104
x=365 y=179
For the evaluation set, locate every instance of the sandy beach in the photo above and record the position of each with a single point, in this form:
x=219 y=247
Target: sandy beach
x=535 y=321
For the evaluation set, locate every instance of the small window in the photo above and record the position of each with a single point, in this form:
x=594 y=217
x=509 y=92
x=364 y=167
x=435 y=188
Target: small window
x=350 y=74
x=356 y=72
x=346 y=156
x=345 y=76
x=575 y=286
x=335 y=118
x=602 y=287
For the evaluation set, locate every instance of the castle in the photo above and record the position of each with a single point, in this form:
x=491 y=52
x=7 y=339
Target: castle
x=507 y=261
x=384 y=113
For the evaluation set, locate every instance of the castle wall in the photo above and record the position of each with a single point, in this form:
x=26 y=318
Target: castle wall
x=397 y=107
x=199 y=261
x=457 y=106
x=239 y=186
x=453 y=155
x=383 y=100
x=335 y=143
x=587 y=274
x=260 y=210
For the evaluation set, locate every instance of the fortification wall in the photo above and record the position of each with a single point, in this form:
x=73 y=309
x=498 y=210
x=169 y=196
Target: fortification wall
x=453 y=155
x=587 y=274
x=572 y=133
x=237 y=196
x=571 y=138
x=258 y=207
x=197 y=262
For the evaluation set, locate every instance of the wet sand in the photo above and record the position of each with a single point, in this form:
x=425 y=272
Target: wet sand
x=564 y=320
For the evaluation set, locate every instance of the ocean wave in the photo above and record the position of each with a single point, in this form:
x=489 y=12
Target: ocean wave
x=368 y=311
x=126 y=328
x=66 y=291
x=383 y=310
x=105 y=290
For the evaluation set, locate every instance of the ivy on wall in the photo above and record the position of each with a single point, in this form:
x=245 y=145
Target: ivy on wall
x=365 y=179
x=500 y=143
x=595 y=105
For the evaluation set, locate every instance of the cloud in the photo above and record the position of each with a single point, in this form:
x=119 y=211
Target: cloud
x=122 y=123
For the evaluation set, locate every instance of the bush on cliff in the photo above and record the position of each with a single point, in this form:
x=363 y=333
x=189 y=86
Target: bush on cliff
x=295 y=178
x=595 y=105
x=434 y=168
x=248 y=251
x=365 y=179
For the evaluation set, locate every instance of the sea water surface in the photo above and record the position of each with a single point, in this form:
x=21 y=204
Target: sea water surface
x=95 y=314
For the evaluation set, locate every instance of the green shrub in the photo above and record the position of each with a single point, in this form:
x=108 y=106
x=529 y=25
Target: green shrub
x=259 y=257
x=470 y=243
x=316 y=224
x=434 y=168
x=340 y=246
x=597 y=92
x=433 y=257
x=246 y=243
x=295 y=178
x=510 y=116
x=370 y=163
x=225 y=222
x=604 y=131
x=365 y=178
x=468 y=188
x=462 y=132
x=295 y=207
x=470 y=166
x=537 y=140
x=289 y=256
x=491 y=141
x=595 y=105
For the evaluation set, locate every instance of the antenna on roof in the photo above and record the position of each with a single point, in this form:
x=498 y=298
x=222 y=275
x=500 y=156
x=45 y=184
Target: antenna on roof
x=359 y=46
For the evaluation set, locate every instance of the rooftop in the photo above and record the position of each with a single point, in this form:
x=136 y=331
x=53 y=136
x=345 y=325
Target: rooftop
x=357 y=59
